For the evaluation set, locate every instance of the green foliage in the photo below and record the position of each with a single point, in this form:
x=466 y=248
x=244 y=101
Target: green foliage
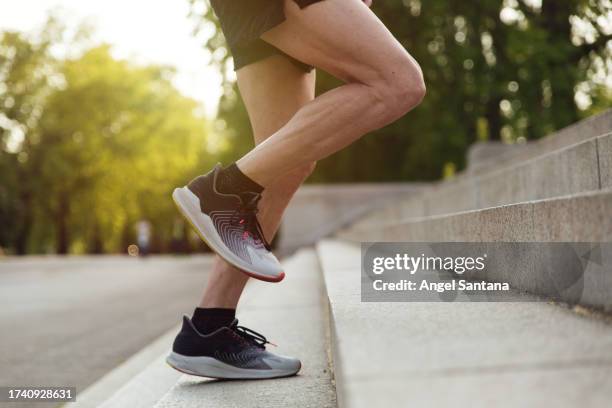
x=498 y=69
x=109 y=142
x=25 y=73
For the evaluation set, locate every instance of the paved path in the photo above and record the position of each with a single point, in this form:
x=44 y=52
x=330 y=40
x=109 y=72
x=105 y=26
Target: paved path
x=68 y=321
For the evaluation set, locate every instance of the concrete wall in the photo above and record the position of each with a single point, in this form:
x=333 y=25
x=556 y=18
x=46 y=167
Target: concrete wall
x=319 y=210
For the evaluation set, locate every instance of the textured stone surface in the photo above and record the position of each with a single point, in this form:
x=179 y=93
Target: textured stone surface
x=511 y=223
x=604 y=151
x=502 y=187
x=585 y=129
x=512 y=387
x=576 y=133
x=568 y=171
x=481 y=153
x=460 y=354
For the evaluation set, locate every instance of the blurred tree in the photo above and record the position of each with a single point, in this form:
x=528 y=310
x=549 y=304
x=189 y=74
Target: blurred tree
x=90 y=146
x=504 y=69
x=26 y=75
x=115 y=140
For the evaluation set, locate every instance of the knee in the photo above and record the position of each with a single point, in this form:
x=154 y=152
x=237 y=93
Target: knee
x=401 y=87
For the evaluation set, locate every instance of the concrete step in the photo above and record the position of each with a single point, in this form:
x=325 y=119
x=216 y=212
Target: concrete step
x=578 y=132
x=137 y=383
x=460 y=354
x=541 y=173
x=292 y=314
x=579 y=218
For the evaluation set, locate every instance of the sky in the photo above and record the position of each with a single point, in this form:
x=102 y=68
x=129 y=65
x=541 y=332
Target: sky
x=154 y=31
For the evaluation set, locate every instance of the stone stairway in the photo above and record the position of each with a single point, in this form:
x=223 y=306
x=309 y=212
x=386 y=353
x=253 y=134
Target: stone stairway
x=486 y=354
x=434 y=354
x=560 y=195
x=505 y=354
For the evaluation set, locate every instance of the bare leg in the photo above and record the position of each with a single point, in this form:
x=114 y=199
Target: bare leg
x=272 y=90
x=346 y=39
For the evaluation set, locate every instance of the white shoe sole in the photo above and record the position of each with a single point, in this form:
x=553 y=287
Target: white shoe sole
x=213 y=368
x=189 y=206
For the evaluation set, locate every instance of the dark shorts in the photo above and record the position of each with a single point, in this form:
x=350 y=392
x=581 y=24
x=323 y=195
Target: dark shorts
x=244 y=21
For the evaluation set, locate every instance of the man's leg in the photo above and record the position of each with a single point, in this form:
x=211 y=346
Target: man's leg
x=383 y=82
x=210 y=344
x=273 y=90
x=346 y=39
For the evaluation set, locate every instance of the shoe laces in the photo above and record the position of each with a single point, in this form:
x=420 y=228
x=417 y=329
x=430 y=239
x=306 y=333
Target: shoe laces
x=251 y=336
x=246 y=216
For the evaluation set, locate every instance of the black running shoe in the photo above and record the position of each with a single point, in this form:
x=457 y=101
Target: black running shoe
x=233 y=352
x=228 y=224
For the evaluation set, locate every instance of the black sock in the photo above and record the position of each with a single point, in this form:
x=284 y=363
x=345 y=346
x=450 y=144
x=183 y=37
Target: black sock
x=207 y=320
x=233 y=181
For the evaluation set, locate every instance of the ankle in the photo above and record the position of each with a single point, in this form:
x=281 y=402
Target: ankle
x=231 y=180
x=207 y=320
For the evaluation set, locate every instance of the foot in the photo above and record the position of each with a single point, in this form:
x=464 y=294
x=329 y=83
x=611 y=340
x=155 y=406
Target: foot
x=228 y=224
x=232 y=352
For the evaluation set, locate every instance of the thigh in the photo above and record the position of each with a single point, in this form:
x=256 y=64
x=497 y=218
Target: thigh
x=343 y=37
x=273 y=90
